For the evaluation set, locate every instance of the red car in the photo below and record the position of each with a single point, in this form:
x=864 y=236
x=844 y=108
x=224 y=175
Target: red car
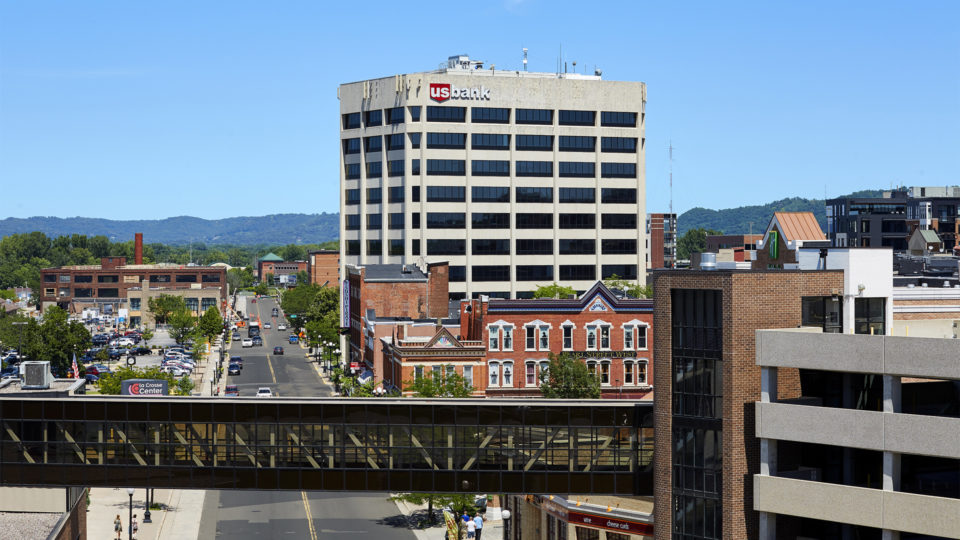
x=231 y=390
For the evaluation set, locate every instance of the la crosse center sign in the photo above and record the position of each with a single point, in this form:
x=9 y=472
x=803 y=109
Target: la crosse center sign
x=441 y=92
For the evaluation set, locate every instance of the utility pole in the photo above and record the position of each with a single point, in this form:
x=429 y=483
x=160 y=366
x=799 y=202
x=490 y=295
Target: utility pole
x=673 y=263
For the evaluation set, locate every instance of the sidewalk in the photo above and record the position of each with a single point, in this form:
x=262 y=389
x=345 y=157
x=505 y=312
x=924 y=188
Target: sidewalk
x=181 y=509
x=492 y=530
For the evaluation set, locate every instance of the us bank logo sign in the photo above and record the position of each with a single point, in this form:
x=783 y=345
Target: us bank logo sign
x=441 y=92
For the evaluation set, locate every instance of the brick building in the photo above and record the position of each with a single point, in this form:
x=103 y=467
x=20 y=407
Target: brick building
x=612 y=335
x=382 y=291
x=786 y=233
x=273 y=264
x=106 y=286
x=706 y=448
x=661 y=241
x=747 y=242
x=414 y=352
x=324 y=267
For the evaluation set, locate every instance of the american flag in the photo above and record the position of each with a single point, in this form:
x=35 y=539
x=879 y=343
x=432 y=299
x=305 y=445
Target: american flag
x=76 y=372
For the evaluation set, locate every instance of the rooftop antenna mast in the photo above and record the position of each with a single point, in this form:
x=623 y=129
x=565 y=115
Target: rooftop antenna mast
x=671 y=178
x=524 y=58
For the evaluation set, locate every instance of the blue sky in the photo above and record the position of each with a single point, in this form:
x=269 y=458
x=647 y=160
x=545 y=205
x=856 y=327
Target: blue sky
x=136 y=110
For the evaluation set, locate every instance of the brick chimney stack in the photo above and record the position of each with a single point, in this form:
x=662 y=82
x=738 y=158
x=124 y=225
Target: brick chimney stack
x=138 y=248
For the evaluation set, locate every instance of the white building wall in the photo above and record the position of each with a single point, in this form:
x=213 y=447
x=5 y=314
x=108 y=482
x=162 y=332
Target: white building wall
x=867 y=273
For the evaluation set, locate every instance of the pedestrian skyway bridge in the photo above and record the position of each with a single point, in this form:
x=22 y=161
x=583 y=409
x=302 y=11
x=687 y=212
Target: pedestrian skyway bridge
x=396 y=445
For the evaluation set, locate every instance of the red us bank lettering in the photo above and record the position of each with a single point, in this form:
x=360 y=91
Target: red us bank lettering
x=441 y=92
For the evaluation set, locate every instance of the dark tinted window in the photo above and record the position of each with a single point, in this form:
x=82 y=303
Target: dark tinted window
x=570 y=143
x=415 y=167
x=415 y=140
x=446 y=114
x=490 y=115
x=577 y=169
x=618 y=119
x=374 y=247
x=578 y=272
x=351 y=121
x=535 y=142
x=353 y=171
x=619 y=144
x=490 y=273
x=374 y=222
x=415 y=113
x=577 y=195
x=108 y=293
x=487 y=220
x=373 y=118
x=490 y=194
x=446 y=140
x=446 y=194
x=534 y=116
x=352 y=196
x=396 y=220
x=534 y=168
x=534 y=194
x=446 y=167
x=619 y=221
x=577 y=118
x=534 y=246
x=374 y=195
x=578 y=247
x=415 y=193
x=352 y=222
x=534 y=221
x=623 y=271
x=446 y=247
x=618 y=170
x=396 y=247
x=618 y=195
x=534 y=272
x=491 y=247
x=415 y=223
x=395 y=167
x=480 y=167
x=395 y=116
x=578 y=221
x=490 y=141
x=445 y=220
x=395 y=141
x=458 y=273
x=396 y=194
x=415 y=247
x=351 y=146
x=353 y=247
x=618 y=246
x=374 y=169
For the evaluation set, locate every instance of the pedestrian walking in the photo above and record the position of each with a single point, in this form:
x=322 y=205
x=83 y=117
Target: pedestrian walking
x=478 y=521
x=471 y=529
x=117 y=526
x=134 y=527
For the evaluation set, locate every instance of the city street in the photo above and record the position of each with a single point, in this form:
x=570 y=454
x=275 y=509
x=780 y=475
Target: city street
x=286 y=514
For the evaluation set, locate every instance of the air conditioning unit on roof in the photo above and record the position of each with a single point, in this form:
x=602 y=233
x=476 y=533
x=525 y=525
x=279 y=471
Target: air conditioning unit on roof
x=35 y=375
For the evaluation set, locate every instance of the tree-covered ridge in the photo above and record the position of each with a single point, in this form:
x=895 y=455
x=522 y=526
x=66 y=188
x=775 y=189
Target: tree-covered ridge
x=737 y=220
x=245 y=230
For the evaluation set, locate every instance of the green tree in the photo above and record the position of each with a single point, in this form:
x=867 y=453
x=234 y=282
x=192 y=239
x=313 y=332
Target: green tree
x=182 y=325
x=303 y=277
x=260 y=289
x=634 y=289
x=440 y=385
x=458 y=502
x=164 y=306
x=239 y=278
x=293 y=252
x=110 y=384
x=211 y=323
x=269 y=279
x=57 y=339
x=569 y=378
x=554 y=291
x=693 y=241
x=297 y=301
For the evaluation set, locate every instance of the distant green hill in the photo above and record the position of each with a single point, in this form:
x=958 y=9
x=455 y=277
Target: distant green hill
x=271 y=229
x=737 y=220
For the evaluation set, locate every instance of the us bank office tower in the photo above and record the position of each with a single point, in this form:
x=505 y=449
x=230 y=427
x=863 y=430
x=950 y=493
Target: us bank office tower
x=517 y=179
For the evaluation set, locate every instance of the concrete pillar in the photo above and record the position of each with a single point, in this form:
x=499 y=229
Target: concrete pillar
x=892 y=403
x=768 y=526
x=892 y=397
x=768 y=384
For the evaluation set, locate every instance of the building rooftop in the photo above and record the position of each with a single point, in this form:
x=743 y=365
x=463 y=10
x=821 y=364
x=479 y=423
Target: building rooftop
x=799 y=226
x=929 y=236
x=154 y=266
x=393 y=272
x=271 y=257
x=60 y=386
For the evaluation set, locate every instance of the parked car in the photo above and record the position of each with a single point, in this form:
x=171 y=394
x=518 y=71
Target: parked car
x=98 y=369
x=278 y=350
x=263 y=391
x=233 y=369
x=247 y=342
x=175 y=371
x=231 y=390
x=141 y=350
x=11 y=372
x=91 y=378
x=293 y=338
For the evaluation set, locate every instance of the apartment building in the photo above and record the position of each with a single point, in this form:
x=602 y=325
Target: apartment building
x=324 y=267
x=661 y=241
x=516 y=178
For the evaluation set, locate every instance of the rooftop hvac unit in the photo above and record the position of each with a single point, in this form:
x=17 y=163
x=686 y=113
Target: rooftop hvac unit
x=35 y=375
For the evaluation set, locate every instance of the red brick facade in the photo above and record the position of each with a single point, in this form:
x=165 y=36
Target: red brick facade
x=282 y=268
x=595 y=325
x=410 y=354
x=325 y=268
x=750 y=301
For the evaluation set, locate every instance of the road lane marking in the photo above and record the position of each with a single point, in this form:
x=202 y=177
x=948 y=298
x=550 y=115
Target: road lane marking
x=306 y=507
x=272 y=374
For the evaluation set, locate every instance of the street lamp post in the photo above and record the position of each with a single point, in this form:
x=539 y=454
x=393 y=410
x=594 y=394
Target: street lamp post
x=146 y=512
x=506 y=523
x=130 y=519
x=19 y=324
